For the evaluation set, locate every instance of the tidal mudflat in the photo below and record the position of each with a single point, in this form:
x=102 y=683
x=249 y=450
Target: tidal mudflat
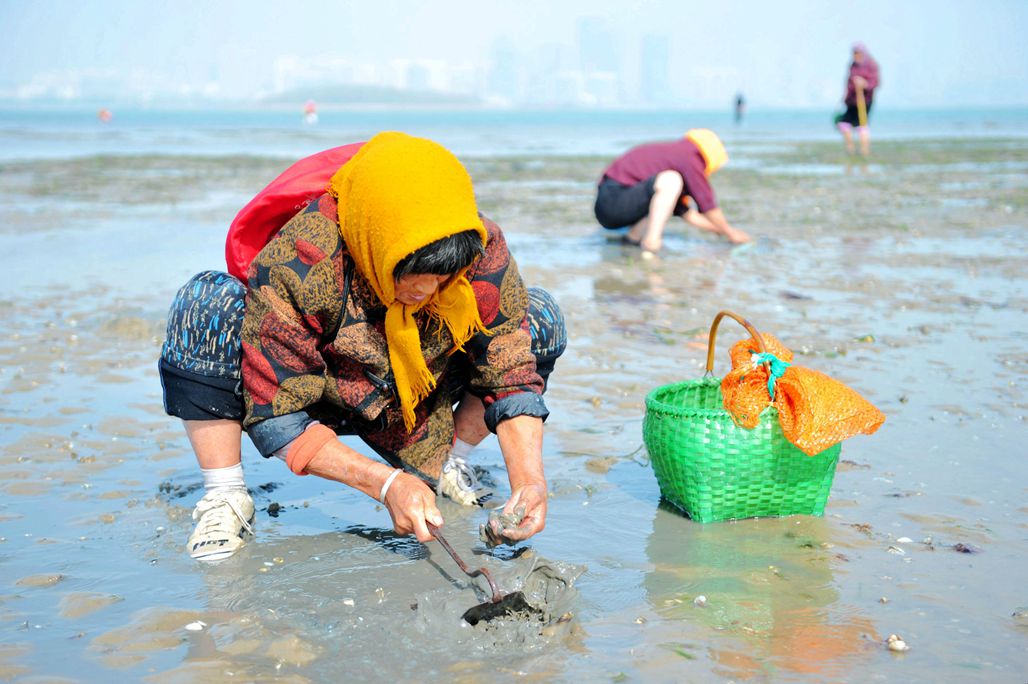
x=905 y=277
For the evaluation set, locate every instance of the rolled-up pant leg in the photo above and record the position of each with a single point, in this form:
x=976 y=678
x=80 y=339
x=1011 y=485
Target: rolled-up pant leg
x=201 y=358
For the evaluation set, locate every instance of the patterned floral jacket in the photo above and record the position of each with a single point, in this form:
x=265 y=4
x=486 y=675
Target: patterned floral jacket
x=314 y=348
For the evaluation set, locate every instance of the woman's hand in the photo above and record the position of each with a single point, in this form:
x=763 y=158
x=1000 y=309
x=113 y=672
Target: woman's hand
x=529 y=499
x=411 y=503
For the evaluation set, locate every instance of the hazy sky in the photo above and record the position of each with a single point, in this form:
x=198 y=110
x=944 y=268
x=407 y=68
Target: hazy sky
x=789 y=52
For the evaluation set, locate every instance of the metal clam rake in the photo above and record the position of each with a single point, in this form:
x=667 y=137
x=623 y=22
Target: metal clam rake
x=501 y=605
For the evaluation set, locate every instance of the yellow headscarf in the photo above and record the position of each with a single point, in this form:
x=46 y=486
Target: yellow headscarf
x=711 y=148
x=396 y=195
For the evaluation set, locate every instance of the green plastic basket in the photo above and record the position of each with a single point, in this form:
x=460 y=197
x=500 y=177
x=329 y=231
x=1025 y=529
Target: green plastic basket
x=713 y=469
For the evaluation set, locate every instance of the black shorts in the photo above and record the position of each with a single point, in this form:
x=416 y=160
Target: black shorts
x=852 y=116
x=193 y=396
x=620 y=205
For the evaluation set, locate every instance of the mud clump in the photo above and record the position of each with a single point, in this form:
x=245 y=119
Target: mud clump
x=492 y=532
x=543 y=614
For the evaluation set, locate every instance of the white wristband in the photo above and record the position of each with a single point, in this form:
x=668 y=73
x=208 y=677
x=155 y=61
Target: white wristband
x=385 y=485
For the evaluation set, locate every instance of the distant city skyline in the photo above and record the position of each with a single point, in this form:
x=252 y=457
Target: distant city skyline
x=583 y=74
x=572 y=54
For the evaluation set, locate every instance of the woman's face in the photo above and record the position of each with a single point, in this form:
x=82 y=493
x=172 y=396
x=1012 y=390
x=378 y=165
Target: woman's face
x=413 y=289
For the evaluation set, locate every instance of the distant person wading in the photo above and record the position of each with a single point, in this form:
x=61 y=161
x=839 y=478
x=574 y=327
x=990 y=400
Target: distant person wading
x=861 y=83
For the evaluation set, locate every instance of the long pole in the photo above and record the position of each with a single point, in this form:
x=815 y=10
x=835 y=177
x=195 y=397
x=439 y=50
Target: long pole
x=861 y=107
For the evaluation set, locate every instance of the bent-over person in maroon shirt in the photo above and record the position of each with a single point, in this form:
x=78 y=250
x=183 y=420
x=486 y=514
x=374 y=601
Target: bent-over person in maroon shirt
x=655 y=181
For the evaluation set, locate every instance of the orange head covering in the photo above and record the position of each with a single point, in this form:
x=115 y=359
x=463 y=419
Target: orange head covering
x=397 y=195
x=711 y=148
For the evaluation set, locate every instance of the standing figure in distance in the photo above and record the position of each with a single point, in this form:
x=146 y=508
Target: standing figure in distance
x=860 y=88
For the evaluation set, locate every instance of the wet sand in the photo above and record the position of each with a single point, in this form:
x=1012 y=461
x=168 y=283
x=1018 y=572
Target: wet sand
x=904 y=277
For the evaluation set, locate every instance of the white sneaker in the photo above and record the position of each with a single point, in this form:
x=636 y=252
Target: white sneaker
x=222 y=519
x=459 y=482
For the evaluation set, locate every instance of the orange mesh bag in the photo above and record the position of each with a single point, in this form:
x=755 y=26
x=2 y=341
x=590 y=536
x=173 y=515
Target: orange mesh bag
x=814 y=410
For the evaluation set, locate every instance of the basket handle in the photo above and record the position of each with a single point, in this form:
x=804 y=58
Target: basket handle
x=713 y=336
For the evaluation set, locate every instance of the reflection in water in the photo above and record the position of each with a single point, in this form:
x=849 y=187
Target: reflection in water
x=623 y=272
x=645 y=297
x=766 y=583
x=860 y=165
x=405 y=545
